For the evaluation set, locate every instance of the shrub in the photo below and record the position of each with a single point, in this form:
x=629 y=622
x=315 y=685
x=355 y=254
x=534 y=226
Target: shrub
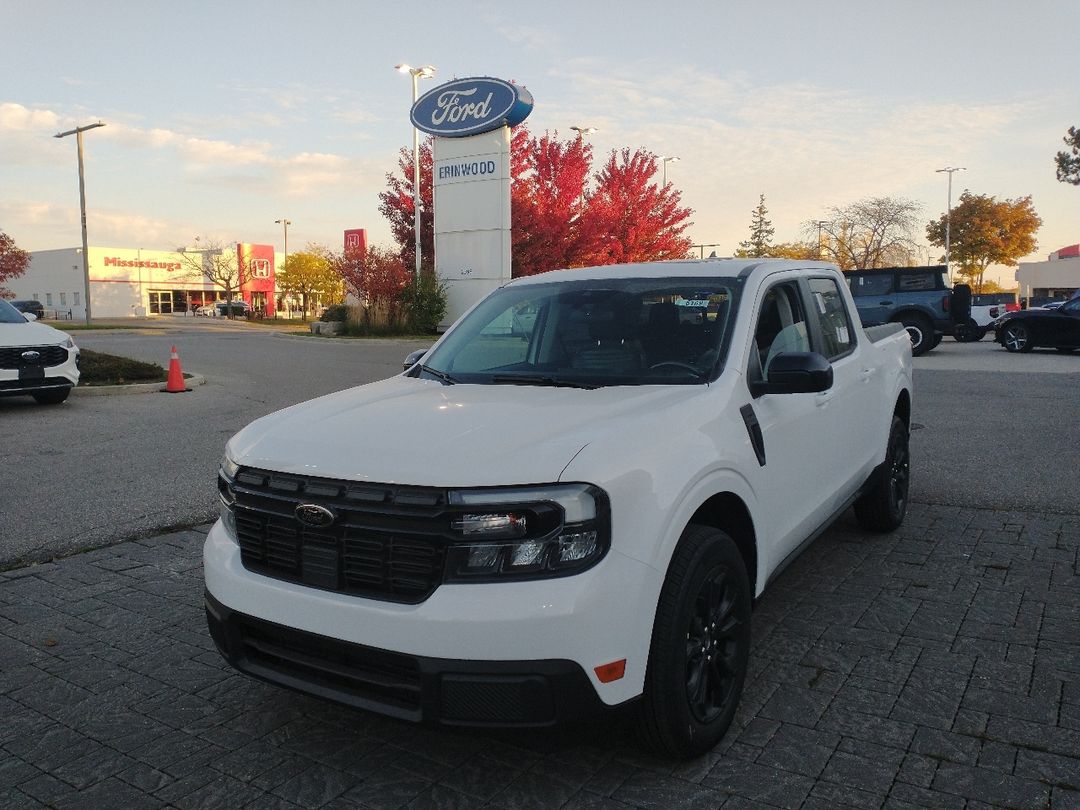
x=424 y=303
x=98 y=368
x=335 y=313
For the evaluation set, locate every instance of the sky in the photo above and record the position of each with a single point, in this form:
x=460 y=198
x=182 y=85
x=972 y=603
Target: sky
x=224 y=117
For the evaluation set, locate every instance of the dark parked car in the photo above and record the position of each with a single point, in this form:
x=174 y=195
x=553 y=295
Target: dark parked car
x=34 y=307
x=1026 y=329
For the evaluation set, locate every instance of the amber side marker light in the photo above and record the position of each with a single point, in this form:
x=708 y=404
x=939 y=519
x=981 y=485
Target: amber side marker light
x=611 y=672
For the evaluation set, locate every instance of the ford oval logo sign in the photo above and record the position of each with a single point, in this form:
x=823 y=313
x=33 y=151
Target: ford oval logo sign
x=471 y=106
x=311 y=514
x=31 y=356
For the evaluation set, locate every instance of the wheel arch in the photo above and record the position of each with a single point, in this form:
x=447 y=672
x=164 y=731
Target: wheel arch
x=728 y=512
x=903 y=407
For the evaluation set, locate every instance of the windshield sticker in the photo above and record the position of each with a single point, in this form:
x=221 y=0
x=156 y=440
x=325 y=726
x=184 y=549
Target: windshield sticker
x=702 y=303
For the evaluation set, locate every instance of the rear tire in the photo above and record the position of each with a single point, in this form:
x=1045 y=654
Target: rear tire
x=882 y=507
x=53 y=396
x=921 y=332
x=700 y=646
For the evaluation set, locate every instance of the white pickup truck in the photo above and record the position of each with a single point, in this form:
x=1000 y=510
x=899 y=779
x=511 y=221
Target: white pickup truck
x=568 y=504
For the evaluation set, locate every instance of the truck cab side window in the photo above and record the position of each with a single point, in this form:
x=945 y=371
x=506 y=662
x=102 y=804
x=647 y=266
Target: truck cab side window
x=839 y=337
x=781 y=327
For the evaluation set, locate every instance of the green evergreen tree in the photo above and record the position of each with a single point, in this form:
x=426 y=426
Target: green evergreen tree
x=761 y=232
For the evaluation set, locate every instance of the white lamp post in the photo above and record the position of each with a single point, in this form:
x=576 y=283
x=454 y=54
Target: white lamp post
x=583 y=131
x=77 y=132
x=425 y=72
x=285 y=223
x=666 y=161
x=948 y=215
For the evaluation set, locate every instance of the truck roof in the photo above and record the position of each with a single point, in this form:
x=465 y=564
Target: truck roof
x=675 y=268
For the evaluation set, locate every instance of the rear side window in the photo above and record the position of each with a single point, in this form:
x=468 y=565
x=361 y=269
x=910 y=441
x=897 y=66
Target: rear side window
x=914 y=282
x=878 y=284
x=828 y=308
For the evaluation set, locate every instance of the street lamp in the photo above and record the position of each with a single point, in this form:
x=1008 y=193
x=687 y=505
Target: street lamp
x=285 y=223
x=425 y=72
x=77 y=132
x=948 y=214
x=666 y=161
x=583 y=131
x=820 y=223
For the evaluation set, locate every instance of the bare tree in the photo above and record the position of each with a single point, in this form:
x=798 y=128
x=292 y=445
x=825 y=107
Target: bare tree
x=219 y=264
x=875 y=232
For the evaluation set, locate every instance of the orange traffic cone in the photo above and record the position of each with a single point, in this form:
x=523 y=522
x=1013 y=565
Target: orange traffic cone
x=175 y=384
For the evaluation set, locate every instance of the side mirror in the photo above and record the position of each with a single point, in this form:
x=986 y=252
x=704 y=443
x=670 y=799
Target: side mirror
x=795 y=373
x=30 y=316
x=412 y=358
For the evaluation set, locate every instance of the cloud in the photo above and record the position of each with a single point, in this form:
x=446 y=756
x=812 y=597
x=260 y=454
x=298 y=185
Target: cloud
x=17 y=118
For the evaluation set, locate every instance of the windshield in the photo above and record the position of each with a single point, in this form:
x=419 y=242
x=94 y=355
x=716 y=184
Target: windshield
x=591 y=333
x=8 y=313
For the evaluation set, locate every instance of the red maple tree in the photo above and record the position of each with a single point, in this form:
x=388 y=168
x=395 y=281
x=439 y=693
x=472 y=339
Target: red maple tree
x=556 y=221
x=375 y=276
x=396 y=204
x=13 y=262
x=548 y=202
x=635 y=219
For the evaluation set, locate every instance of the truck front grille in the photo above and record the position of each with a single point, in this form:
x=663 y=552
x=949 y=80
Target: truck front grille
x=12 y=356
x=385 y=542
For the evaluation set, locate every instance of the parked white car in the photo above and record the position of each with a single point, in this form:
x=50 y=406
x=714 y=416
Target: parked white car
x=563 y=514
x=35 y=359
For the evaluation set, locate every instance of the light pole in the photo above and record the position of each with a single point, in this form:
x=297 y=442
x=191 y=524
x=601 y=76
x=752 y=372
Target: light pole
x=666 y=161
x=948 y=215
x=285 y=223
x=820 y=223
x=77 y=132
x=583 y=131
x=425 y=72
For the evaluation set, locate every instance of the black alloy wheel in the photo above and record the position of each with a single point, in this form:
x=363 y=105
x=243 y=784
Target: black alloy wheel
x=700 y=646
x=712 y=643
x=1016 y=338
x=883 y=506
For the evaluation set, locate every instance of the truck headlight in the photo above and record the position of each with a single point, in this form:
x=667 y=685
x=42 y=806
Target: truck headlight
x=227 y=496
x=527 y=532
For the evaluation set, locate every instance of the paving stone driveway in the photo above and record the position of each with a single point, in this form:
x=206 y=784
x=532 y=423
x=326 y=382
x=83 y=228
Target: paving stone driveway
x=938 y=667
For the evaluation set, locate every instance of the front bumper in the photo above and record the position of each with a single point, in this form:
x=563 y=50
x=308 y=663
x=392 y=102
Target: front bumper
x=528 y=649
x=433 y=691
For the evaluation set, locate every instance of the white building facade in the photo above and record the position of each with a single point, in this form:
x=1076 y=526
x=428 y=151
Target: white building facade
x=130 y=282
x=1055 y=279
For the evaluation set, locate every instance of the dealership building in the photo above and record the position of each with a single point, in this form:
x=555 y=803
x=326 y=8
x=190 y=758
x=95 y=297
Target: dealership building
x=1056 y=278
x=136 y=282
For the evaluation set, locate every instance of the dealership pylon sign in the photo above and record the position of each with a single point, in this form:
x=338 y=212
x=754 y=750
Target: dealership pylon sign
x=471 y=120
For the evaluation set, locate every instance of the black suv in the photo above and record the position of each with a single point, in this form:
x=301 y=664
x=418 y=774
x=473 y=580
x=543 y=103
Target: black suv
x=34 y=307
x=917 y=297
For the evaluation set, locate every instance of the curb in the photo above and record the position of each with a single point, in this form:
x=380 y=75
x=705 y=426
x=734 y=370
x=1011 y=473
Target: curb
x=136 y=388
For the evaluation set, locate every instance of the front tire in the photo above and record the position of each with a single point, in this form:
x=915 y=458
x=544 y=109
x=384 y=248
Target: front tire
x=882 y=507
x=700 y=646
x=1015 y=337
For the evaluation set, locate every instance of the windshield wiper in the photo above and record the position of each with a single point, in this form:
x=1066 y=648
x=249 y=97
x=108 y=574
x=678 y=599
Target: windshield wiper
x=442 y=376
x=529 y=379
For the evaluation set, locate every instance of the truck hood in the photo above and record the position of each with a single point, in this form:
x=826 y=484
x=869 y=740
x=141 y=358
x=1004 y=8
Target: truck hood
x=412 y=431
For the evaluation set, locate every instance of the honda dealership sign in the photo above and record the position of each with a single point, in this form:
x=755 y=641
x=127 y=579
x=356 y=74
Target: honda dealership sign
x=471 y=119
x=470 y=107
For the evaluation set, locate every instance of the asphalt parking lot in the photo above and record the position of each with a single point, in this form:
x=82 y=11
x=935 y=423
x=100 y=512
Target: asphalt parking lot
x=937 y=667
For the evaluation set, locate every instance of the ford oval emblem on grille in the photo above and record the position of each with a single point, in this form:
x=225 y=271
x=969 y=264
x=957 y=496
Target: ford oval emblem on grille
x=31 y=356
x=311 y=514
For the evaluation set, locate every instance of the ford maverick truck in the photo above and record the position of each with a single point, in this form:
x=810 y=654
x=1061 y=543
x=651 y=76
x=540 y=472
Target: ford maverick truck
x=568 y=504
